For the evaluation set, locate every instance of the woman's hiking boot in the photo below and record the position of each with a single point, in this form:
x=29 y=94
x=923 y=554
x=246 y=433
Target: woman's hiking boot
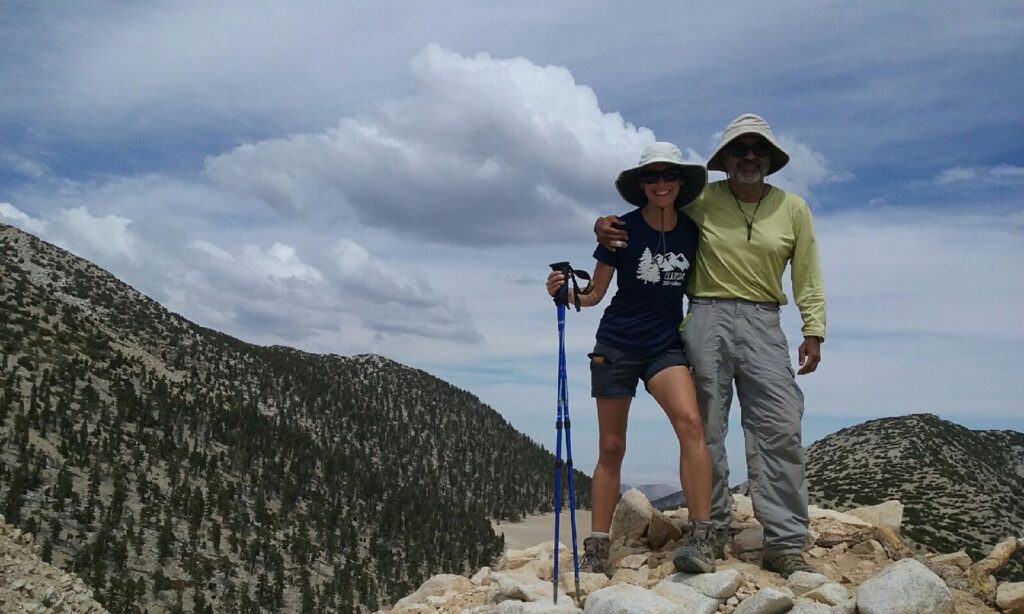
x=697 y=552
x=595 y=555
x=786 y=564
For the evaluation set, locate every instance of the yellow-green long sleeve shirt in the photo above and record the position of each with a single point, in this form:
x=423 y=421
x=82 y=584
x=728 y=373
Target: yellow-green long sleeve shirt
x=729 y=266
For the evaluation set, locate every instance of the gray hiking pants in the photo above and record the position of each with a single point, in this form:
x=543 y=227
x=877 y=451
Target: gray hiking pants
x=733 y=340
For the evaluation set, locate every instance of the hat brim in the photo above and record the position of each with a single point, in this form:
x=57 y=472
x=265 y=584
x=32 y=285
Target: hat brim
x=695 y=177
x=779 y=156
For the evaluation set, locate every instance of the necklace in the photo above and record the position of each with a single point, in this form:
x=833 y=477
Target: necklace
x=750 y=221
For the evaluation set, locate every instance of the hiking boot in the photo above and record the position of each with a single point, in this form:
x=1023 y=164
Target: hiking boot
x=595 y=555
x=697 y=552
x=786 y=564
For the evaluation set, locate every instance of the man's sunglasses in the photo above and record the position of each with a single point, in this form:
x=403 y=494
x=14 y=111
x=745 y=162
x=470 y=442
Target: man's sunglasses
x=669 y=174
x=739 y=149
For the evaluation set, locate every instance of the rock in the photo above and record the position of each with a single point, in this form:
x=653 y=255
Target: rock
x=904 y=586
x=544 y=551
x=959 y=559
x=830 y=593
x=807 y=606
x=742 y=508
x=823 y=516
x=522 y=588
x=633 y=561
x=870 y=549
x=628 y=599
x=748 y=541
x=589 y=582
x=482 y=577
x=1010 y=597
x=632 y=515
x=888 y=514
x=894 y=547
x=566 y=606
x=629 y=576
x=980 y=574
x=687 y=598
x=436 y=586
x=803 y=581
x=661 y=531
x=718 y=585
x=768 y=600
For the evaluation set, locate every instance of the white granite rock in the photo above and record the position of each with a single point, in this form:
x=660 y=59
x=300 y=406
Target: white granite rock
x=803 y=581
x=831 y=593
x=905 y=586
x=523 y=588
x=718 y=585
x=628 y=599
x=688 y=598
x=768 y=600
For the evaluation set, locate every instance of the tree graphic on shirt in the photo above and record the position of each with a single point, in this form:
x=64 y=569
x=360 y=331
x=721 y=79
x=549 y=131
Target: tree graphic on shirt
x=647 y=270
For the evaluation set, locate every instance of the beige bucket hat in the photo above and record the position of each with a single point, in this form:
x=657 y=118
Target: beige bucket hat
x=695 y=176
x=748 y=123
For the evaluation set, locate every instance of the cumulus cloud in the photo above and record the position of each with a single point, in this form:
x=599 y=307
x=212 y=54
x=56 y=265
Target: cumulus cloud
x=487 y=151
x=898 y=271
x=12 y=215
x=100 y=236
x=807 y=168
x=280 y=262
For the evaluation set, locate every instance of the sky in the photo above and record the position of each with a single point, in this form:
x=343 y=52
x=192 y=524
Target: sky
x=394 y=178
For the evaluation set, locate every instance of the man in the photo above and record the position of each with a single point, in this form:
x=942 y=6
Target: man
x=749 y=232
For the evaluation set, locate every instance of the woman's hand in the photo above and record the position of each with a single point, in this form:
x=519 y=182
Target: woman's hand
x=608 y=235
x=555 y=281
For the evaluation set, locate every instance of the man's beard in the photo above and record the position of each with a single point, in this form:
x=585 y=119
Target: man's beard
x=749 y=176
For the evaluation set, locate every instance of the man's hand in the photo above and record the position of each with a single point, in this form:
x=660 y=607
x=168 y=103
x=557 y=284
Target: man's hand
x=608 y=235
x=809 y=355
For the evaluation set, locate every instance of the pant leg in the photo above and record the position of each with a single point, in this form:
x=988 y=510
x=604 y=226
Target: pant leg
x=706 y=339
x=772 y=406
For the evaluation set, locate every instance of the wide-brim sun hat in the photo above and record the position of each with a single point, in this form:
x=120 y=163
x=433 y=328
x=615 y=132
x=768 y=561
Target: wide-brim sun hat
x=748 y=123
x=695 y=176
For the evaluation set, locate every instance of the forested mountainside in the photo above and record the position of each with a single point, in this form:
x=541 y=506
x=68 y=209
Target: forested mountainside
x=176 y=468
x=961 y=489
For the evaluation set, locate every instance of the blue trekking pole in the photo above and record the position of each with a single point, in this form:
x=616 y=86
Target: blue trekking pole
x=561 y=300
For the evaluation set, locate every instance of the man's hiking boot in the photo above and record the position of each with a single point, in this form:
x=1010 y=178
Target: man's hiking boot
x=595 y=555
x=786 y=564
x=697 y=552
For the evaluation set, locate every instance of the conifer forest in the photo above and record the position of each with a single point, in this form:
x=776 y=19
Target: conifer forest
x=175 y=468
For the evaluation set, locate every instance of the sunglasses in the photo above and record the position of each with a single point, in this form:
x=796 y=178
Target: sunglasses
x=669 y=174
x=740 y=149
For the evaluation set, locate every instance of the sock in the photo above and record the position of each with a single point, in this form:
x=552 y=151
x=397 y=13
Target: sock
x=599 y=534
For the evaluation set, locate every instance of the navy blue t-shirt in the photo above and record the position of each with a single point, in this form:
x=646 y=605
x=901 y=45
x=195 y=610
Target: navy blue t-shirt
x=644 y=315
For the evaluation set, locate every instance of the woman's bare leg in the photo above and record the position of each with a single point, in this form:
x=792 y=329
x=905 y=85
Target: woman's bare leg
x=612 y=415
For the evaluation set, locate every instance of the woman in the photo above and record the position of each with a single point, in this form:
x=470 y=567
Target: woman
x=638 y=339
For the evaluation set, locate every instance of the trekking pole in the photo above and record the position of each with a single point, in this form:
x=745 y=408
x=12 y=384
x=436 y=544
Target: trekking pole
x=562 y=423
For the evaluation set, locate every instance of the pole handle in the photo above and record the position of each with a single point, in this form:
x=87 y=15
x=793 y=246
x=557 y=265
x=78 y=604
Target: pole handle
x=562 y=295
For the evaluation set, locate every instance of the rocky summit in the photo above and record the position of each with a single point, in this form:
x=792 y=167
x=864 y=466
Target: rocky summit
x=861 y=561
x=960 y=488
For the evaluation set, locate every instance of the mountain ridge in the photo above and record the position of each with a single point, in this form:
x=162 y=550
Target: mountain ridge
x=259 y=477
